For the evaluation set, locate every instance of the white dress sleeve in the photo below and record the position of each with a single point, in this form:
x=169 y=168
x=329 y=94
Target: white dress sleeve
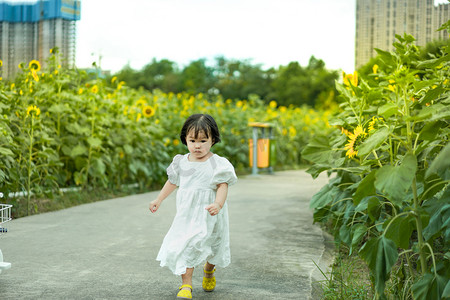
x=173 y=171
x=223 y=173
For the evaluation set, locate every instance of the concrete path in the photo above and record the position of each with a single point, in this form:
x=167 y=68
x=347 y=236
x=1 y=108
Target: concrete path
x=107 y=249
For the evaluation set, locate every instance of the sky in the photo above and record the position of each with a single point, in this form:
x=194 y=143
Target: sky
x=268 y=32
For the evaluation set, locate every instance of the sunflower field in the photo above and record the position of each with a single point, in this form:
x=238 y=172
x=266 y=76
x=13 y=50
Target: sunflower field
x=389 y=198
x=61 y=129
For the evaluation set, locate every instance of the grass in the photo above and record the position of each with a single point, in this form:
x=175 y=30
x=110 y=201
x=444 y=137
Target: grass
x=349 y=278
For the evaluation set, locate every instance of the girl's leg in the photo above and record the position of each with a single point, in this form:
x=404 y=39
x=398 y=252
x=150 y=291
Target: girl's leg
x=209 y=281
x=209 y=267
x=187 y=277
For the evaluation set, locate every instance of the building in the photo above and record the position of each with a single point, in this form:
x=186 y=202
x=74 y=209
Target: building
x=378 y=21
x=29 y=30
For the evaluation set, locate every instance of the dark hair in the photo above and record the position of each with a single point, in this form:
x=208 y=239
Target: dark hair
x=200 y=122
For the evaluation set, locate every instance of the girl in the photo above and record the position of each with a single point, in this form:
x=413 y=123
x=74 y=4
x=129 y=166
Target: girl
x=199 y=231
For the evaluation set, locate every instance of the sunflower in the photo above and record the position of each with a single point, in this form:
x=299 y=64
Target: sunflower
x=355 y=140
x=350 y=79
x=35 y=75
x=94 y=89
x=1 y=63
x=34 y=65
x=373 y=124
x=375 y=69
x=141 y=102
x=148 y=111
x=32 y=108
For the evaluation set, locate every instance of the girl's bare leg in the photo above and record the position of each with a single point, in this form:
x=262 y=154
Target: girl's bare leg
x=187 y=277
x=209 y=267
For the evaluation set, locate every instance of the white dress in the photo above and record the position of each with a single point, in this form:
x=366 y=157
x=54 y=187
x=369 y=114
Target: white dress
x=195 y=236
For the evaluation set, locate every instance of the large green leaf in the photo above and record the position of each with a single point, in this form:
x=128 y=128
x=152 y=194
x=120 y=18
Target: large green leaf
x=318 y=150
x=441 y=164
x=324 y=196
x=365 y=188
x=374 y=141
x=78 y=150
x=400 y=230
x=94 y=142
x=380 y=254
x=395 y=181
x=430 y=130
x=388 y=110
x=438 y=221
x=374 y=208
x=358 y=231
x=429 y=287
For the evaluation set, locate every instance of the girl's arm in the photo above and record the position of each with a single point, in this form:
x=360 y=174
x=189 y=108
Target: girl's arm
x=167 y=189
x=221 y=196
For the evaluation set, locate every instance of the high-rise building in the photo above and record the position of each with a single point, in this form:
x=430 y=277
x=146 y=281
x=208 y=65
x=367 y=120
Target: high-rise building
x=29 y=30
x=378 y=21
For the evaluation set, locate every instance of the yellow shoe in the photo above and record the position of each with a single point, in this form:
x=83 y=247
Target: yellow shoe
x=185 y=294
x=209 y=284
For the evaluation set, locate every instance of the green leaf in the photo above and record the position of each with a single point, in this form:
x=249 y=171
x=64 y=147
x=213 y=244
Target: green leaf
x=430 y=130
x=6 y=151
x=437 y=222
x=400 y=230
x=344 y=234
x=78 y=150
x=433 y=63
x=318 y=150
x=94 y=142
x=374 y=141
x=395 y=181
x=358 y=231
x=374 y=208
x=380 y=254
x=365 y=188
x=316 y=169
x=429 y=287
x=98 y=166
x=446 y=293
x=324 y=196
x=441 y=164
x=388 y=110
x=58 y=108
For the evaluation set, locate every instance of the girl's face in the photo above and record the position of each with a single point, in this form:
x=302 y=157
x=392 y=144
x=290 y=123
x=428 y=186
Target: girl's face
x=198 y=147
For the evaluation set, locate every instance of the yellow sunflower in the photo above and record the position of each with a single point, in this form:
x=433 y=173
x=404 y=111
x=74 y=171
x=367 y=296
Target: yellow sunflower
x=35 y=75
x=1 y=63
x=94 y=89
x=373 y=124
x=148 y=111
x=34 y=108
x=350 y=79
x=354 y=140
x=141 y=102
x=34 y=65
x=375 y=69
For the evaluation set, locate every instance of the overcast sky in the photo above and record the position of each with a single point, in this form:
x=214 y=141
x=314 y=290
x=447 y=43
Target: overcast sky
x=268 y=32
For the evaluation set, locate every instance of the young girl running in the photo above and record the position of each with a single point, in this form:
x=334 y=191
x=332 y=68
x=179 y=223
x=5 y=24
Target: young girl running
x=199 y=231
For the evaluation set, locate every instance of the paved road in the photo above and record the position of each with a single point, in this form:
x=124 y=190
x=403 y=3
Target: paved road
x=107 y=249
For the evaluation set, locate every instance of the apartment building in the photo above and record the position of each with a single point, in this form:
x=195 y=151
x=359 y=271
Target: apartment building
x=378 y=21
x=29 y=30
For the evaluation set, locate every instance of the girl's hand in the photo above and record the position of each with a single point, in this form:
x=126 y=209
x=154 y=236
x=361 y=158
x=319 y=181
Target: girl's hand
x=213 y=209
x=154 y=205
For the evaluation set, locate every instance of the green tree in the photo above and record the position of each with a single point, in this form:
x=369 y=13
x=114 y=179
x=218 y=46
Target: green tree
x=197 y=77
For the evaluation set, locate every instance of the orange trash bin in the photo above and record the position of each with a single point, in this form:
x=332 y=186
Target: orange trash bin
x=263 y=150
